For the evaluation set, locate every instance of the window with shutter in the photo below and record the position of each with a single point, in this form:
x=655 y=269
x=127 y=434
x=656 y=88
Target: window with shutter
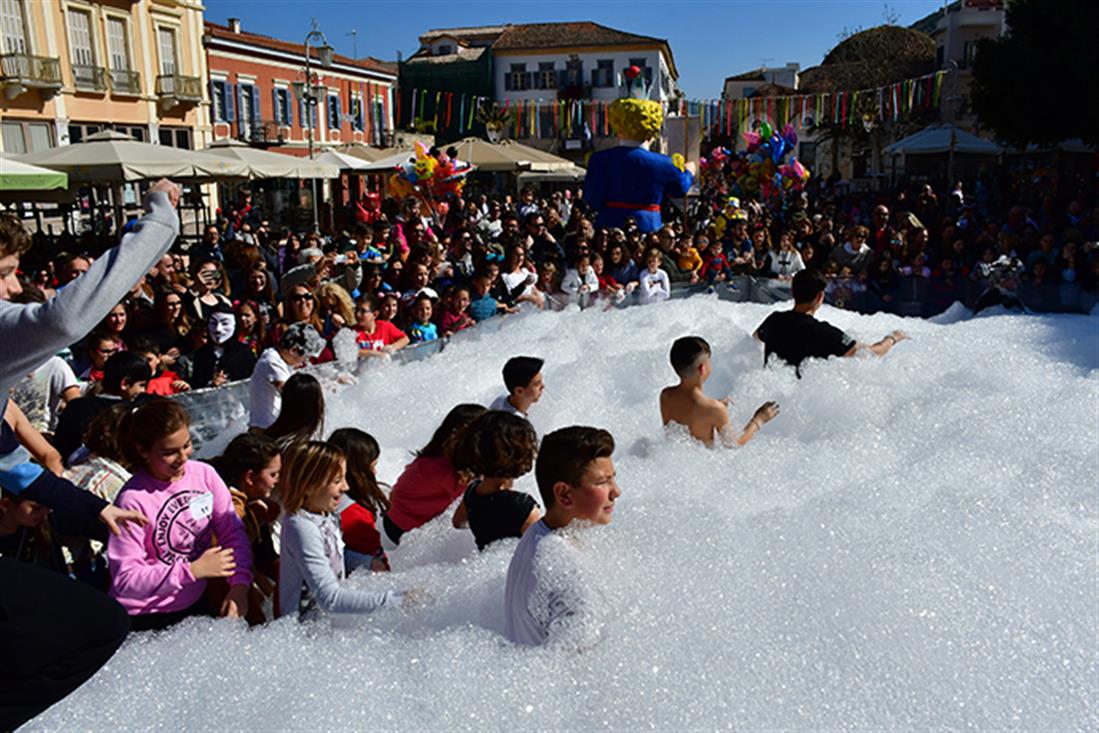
x=12 y=28
x=80 y=38
x=217 y=100
x=166 y=44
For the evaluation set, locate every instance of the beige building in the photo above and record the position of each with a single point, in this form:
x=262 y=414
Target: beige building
x=69 y=68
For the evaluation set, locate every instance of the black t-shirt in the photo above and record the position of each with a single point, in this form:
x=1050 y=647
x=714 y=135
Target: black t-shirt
x=795 y=337
x=497 y=515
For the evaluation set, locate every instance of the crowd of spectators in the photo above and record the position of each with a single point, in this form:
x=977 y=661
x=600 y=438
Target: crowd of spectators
x=206 y=314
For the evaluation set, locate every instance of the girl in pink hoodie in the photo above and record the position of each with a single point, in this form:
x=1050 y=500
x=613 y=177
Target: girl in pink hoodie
x=159 y=571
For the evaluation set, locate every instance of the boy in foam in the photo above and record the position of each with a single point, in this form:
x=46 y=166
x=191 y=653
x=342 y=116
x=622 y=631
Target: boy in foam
x=544 y=599
x=523 y=380
x=703 y=416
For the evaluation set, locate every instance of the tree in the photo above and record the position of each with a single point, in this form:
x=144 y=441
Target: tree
x=1040 y=82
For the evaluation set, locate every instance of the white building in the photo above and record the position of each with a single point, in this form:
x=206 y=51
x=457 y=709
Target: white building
x=742 y=86
x=957 y=28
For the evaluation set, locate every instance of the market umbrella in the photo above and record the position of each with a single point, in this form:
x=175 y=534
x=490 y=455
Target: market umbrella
x=571 y=174
x=265 y=164
x=369 y=153
x=507 y=156
x=343 y=161
x=111 y=157
x=18 y=176
x=391 y=162
x=935 y=139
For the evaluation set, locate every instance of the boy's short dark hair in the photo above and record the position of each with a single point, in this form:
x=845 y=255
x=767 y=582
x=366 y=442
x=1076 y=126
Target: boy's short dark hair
x=520 y=370
x=807 y=285
x=125 y=365
x=145 y=345
x=686 y=352
x=369 y=300
x=497 y=444
x=565 y=455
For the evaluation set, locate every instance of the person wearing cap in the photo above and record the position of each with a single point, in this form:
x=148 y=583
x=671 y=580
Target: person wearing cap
x=629 y=180
x=299 y=343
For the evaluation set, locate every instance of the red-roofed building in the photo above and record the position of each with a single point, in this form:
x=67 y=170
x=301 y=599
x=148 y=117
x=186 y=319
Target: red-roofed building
x=252 y=99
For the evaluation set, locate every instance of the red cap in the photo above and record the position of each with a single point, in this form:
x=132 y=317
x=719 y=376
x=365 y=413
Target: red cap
x=632 y=72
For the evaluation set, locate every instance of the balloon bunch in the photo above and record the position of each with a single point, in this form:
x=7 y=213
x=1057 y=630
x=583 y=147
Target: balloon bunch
x=766 y=173
x=431 y=176
x=762 y=173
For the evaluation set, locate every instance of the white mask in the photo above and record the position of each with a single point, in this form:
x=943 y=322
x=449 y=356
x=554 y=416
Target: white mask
x=222 y=327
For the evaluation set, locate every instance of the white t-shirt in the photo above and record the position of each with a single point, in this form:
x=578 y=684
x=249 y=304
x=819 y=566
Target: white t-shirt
x=39 y=394
x=654 y=286
x=501 y=403
x=264 y=397
x=548 y=596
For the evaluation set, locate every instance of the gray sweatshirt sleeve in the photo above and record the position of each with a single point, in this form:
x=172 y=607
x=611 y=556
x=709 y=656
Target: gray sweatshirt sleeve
x=303 y=545
x=34 y=333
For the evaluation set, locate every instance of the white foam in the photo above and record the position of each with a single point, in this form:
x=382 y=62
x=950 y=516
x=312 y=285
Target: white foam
x=911 y=544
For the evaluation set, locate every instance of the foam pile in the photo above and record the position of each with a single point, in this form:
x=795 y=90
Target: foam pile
x=910 y=544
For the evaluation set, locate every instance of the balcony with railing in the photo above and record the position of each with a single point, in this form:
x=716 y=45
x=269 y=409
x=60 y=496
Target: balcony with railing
x=89 y=78
x=261 y=133
x=22 y=71
x=174 y=89
x=125 y=82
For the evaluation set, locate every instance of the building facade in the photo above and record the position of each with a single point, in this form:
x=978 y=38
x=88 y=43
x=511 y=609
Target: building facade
x=540 y=65
x=743 y=86
x=69 y=68
x=256 y=84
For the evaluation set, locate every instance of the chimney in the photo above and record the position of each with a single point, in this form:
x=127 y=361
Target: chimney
x=234 y=25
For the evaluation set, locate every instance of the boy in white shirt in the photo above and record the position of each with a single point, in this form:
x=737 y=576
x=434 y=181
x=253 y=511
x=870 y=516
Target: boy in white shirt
x=653 y=282
x=300 y=343
x=523 y=380
x=546 y=598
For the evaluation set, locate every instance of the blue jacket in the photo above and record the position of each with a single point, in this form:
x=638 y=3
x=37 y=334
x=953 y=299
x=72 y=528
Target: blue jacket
x=627 y=181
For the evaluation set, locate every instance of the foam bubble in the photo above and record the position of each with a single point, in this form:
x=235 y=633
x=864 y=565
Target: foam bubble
x=910 y=544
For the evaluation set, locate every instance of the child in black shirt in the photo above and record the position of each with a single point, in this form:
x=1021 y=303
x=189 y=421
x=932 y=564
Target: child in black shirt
x=497 y=448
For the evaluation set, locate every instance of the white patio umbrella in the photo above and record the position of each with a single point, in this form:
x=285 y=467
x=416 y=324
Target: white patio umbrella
x=343 y=161
x=111 y=157
x=265 y=164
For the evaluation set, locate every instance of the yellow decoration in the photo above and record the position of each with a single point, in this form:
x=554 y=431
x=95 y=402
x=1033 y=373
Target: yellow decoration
x=636 y=119
x=679 y=162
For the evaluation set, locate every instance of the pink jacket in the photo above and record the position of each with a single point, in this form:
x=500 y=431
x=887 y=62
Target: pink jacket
x=150 y=566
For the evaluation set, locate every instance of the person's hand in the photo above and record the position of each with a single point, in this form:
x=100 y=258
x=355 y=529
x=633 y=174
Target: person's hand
x=727 y=401
x=169 y=357
x=379 y=564
x=765 y=414
x=220 y=378
x=338 y=321
x=235 y=604
x=694 y=279
x=181 y=386
x=112 y=516
x=216 y=562
x=415 y=599
x=690 y=167
x=898 y=336
x=174 y=192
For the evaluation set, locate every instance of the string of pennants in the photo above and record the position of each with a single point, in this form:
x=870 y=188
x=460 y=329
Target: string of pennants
x=447 y=110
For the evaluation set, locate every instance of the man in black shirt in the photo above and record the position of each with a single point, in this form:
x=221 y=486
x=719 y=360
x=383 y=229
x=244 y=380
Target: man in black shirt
x=795 y=335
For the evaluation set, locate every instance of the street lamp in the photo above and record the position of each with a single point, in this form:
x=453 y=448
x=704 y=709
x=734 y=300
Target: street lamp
x=310 y=92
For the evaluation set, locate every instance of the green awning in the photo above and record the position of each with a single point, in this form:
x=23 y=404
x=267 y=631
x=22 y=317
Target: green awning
x=18 y=176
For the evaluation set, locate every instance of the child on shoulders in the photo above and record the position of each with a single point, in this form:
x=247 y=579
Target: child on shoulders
x=497 y=448
x=159 y=571
x=704 y=417
x=576 y=478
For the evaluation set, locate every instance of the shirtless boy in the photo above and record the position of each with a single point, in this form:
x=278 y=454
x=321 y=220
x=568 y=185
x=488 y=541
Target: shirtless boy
x=685 y=404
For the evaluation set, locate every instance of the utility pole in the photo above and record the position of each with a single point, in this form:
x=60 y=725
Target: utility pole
x=354 y=33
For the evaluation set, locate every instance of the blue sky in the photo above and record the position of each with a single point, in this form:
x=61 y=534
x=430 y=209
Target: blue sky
x=710 y=40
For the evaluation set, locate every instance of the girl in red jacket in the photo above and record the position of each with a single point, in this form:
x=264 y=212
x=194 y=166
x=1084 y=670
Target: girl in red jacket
x=359 y=519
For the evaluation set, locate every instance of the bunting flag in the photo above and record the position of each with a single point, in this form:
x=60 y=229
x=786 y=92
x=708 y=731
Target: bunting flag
x=538 y=118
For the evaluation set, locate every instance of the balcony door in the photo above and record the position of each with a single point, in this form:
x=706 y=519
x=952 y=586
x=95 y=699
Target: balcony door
x=13 y=34
x=166 y=43
x=118 y=45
